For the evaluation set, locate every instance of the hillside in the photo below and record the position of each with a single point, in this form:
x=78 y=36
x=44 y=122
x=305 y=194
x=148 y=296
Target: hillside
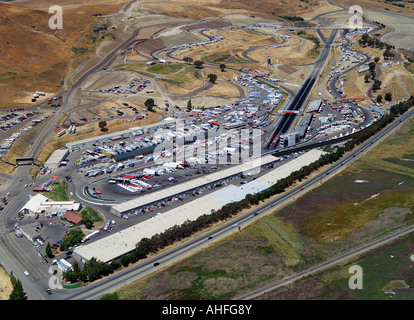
x=31 y=53
x=253 y=8
x=34 y=57
x=403 y=6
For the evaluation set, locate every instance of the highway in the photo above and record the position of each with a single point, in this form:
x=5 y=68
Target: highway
x=173 y=255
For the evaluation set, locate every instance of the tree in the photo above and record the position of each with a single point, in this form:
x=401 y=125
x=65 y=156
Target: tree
x=388 y=54
x=379 y=98
x=17 y=292
x=376 y=59
x=366 y=77
x=48 y=251
x=102 y=125
x=222 y=67
x=189 y=105
x=371 y=65
x=377 y=85
x=188 y=60
x=149 y=103
x=212 y=78
x=73 y=238
x=87 y=220
x=388 y=96
x=198 y=64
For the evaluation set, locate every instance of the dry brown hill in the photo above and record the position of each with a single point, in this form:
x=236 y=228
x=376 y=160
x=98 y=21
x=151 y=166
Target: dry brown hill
x=34 y=57
x=198 y=9
x=31 y=53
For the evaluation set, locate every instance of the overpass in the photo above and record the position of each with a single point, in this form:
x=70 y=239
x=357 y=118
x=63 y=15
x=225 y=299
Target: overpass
x=24 y=160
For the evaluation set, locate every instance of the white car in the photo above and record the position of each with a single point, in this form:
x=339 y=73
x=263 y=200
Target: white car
x=26 y=273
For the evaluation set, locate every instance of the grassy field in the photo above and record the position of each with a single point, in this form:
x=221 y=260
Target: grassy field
x=58 y=192
x=175 y=78
x=157 y=69
x=222 y=270
x=387 y=275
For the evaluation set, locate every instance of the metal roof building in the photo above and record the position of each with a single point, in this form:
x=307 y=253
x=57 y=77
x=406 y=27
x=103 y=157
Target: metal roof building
x=31 y=231
x=213 y=179
x=57 y=156
x=314 y=105
x=115 y=245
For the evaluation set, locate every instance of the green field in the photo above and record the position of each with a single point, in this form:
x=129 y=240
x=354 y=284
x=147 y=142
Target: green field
x=177 y=74
x=157 y=69
x=58 y=192
x=383 y=271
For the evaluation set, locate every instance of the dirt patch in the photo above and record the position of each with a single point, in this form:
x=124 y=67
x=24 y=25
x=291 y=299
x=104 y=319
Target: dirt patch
x=395 y=284
x=357 y=215
x=6 y=286
x=35 y=56
x=320 y=8
x=287 y=69
x=389 y=217
x=215 y=24
x=303 y=290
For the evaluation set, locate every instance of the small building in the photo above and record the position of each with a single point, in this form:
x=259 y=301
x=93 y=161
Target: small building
x=288 y=140
x=63 y=265
x=363 y=69
x=31 y=231
x=73 y=216
x=55 y=212
x=314 y=106
x=68 y=205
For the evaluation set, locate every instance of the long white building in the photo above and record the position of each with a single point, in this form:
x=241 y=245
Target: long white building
x=124 y=241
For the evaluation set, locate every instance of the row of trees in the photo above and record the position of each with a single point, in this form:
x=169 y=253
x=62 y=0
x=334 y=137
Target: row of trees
x=388 y=97
x=367 y=40
x=17 y=292
x=95 y=269
x=199 y=63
